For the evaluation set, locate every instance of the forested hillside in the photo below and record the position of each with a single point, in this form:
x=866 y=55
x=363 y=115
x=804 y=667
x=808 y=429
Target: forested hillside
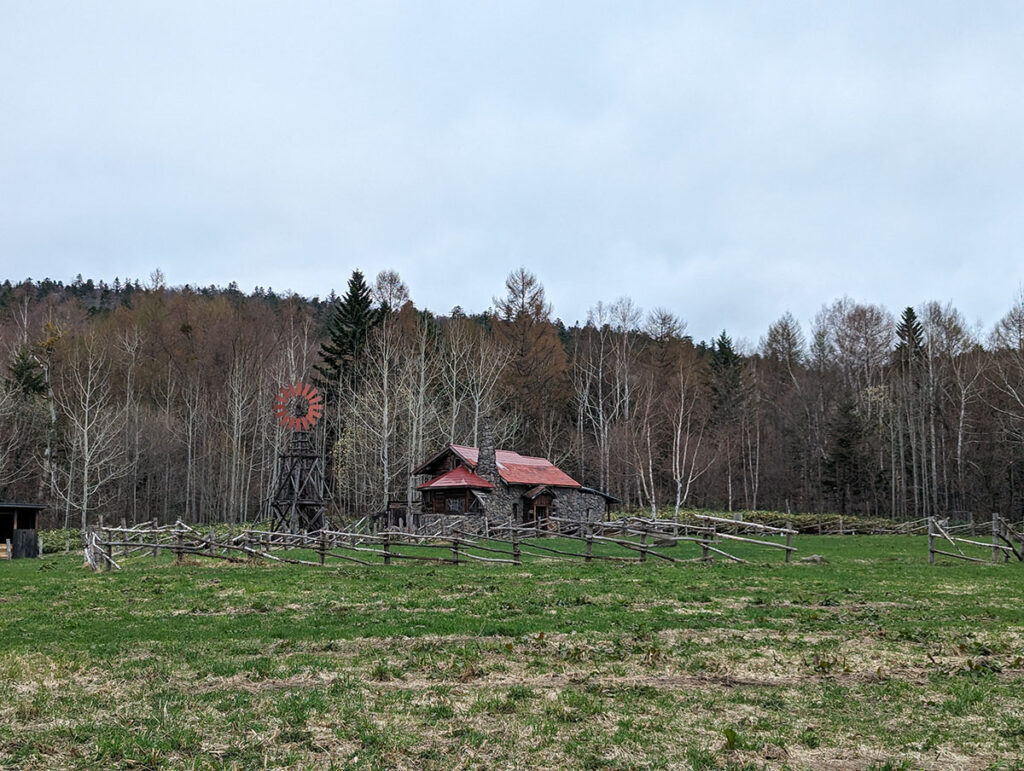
x=135 y=401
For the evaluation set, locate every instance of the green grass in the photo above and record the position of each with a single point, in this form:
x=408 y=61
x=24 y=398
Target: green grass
x=873 y=660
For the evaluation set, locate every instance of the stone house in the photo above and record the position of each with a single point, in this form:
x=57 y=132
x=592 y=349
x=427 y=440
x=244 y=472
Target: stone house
x=502 y=485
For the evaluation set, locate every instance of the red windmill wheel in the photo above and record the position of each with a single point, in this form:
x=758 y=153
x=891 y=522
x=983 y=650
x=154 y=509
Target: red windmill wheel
x=298 y=407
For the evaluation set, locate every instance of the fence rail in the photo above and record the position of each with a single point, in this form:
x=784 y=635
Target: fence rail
x=1006 y=541
x=631 y=540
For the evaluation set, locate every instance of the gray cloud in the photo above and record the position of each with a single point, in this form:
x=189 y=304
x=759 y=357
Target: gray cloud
x=728 y=163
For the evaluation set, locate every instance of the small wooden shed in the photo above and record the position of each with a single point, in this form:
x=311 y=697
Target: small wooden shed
x=19 y=537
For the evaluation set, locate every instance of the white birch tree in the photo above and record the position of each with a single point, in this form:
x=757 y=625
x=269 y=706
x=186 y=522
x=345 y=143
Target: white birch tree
x=95 y=424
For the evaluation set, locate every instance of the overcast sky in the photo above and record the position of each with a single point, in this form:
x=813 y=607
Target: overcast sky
x=728 y=162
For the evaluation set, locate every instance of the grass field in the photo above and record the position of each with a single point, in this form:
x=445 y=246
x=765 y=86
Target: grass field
x=873 y=660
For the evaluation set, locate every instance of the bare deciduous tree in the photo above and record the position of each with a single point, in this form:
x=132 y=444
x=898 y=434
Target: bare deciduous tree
x=95 y=425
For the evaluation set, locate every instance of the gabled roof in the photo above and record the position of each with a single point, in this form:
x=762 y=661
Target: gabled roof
x=518 y=469
x=459 y=477
x=535 y=492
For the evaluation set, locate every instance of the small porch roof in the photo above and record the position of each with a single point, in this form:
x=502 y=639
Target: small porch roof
x=459 y=478
x=535 y=492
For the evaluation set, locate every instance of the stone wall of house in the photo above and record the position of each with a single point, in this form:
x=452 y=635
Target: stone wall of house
x=568 y=504
x=580 y=506
x=471 y=524
x=500 y=501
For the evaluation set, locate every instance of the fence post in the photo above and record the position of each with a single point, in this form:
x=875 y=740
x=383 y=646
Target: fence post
x=789 y=539
x=179 y=547
x=590 y=546
x=323 y=546
x=156 y=538
x=516 y=557
x=387 y=547
x=455 y=550
x=110 y=553
x=931 y=540
x=995 y=537
x=643 y=546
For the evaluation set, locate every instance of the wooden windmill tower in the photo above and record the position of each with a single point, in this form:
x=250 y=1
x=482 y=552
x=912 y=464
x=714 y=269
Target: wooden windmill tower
x=301 y=497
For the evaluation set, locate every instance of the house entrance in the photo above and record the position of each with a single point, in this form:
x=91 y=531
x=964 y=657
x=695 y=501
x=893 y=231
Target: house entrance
x=536 y=512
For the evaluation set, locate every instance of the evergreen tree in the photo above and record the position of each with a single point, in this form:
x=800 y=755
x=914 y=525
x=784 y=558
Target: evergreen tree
x=909 y=436
x=910 y=334
x=348 y=327
x=847 y=475
x=727 y=394
x=25 y=374
x=726 y=375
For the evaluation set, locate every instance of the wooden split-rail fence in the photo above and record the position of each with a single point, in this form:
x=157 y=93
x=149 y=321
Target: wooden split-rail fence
x=1007 y=540
x=627 y=540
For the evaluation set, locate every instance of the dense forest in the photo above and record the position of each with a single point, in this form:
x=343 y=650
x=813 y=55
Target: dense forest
x=147 y=401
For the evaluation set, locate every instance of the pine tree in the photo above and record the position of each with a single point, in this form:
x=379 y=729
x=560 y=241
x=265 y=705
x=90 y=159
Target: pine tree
x=348 y=328
x=25 y=374
x=910 y=335
x=847 y=473
x=909 y=434
x=726 y=375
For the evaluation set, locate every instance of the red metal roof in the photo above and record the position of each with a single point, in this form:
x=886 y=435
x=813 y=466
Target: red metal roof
x=518 y=469
x=459 y=477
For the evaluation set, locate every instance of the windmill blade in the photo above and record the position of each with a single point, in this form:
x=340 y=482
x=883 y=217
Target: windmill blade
x=298 y=406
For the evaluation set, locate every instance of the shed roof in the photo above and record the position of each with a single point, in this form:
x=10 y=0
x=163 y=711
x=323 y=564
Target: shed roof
x=606 y=496
x=6 y=507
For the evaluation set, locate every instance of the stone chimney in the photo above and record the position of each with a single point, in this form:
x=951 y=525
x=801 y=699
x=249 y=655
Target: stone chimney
x=487 y=462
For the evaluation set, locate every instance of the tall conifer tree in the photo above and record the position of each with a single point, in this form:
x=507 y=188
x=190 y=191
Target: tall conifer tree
x=25 y=374
x=910 y=335
x=349 y=325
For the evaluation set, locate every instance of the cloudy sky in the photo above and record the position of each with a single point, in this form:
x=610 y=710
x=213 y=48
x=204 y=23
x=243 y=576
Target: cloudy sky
x=727 y=161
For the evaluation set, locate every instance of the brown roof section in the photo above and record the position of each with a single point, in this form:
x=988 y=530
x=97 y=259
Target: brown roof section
x=518 y=469
x=535 y=492
x=459 y=478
